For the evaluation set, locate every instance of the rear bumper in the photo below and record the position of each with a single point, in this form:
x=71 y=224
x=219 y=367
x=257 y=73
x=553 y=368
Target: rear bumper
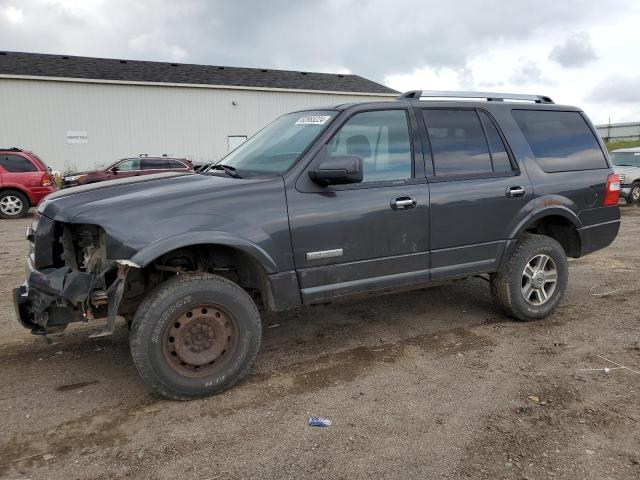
x=36 y=194
x=596 y=237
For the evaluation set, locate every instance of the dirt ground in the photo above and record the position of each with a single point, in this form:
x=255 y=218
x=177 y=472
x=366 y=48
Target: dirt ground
x=428 y=384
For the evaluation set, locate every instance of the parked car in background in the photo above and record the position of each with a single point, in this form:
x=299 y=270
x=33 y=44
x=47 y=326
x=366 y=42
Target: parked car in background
x=626 y=163
x=129 y=167
x=24 y=181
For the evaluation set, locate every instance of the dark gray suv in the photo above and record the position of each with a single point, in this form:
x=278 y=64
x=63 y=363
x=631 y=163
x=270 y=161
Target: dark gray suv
x=353 y=199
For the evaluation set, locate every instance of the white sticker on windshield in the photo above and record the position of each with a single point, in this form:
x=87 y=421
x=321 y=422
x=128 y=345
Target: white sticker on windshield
x=313 y=120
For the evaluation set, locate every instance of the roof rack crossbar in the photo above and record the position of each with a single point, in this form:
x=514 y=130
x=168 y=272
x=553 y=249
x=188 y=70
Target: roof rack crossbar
x=489 y=96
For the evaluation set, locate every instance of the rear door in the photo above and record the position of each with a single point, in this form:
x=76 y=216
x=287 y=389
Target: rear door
x=153 y=165
x=360 y=237
x=478 y=194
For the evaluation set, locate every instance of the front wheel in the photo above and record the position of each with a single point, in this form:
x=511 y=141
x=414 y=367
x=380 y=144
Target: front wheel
x=195 y=335
x=534 y=280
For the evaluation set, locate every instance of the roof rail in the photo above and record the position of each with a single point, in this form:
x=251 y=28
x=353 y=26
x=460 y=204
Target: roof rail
x=488 y=96
x=12 y=149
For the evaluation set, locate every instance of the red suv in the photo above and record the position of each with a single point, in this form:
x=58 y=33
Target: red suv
x=24 y=181
x=129 y=167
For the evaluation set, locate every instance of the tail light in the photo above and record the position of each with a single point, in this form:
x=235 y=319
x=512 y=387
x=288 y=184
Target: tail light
x=46 y=180
x=612 y=190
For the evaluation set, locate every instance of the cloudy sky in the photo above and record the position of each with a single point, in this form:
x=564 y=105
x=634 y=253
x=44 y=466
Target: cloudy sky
x=582 y=52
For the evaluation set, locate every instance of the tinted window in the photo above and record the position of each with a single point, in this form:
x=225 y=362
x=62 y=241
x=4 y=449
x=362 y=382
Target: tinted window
x=130 y=164
x=499 y=156
x=175 y=164
x=381 y=139
x=458 y=144
x=560 y=141
x=154 y=164
x=16 y=163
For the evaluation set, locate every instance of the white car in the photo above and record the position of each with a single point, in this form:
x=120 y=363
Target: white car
x=626 y=163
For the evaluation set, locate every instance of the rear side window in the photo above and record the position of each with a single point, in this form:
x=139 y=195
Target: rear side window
x=459 y=145
x=560 y=141
x=16 y=164
x=154 y=164
x=175 y=164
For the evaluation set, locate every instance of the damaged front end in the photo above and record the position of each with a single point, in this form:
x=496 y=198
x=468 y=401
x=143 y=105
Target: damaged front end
x=69 y=278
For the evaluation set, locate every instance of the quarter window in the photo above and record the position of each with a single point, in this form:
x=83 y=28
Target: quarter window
x=499 y=155
x=16 y=164
x=560 y=141
x=381 y=139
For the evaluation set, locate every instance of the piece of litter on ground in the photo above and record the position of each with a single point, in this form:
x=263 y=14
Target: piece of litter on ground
x=319 y=422
x=275 y=325
x=378 y=350
x=47 y=456
x=604 y=294
x=589 y=452
x=533 y=398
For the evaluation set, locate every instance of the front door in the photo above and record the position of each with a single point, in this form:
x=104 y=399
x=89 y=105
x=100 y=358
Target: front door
x=478 y=195
x=366 y=236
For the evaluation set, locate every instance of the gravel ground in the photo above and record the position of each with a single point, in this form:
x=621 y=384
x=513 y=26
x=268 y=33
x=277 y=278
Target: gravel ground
x=428 y=384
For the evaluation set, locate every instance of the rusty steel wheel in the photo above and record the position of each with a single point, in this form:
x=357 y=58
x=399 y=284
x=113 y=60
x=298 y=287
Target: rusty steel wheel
x=195 y=335
x=200 y=340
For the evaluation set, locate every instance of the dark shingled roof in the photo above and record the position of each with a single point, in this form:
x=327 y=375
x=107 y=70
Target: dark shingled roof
x=65 y=66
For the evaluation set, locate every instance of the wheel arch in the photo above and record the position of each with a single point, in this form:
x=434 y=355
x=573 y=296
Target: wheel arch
x=558 y=222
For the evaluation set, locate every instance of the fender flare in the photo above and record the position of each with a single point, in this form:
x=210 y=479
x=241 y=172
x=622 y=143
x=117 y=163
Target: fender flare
x=529 y=220
x=164 y=245
x=536 y=215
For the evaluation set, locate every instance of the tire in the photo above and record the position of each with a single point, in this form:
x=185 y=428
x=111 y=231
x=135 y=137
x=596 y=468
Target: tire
x=510 y=287
x=634 y=193
x=13 y=204
x=219 y=340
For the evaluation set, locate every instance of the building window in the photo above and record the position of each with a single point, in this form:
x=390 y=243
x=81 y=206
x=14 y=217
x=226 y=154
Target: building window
x=234 y=141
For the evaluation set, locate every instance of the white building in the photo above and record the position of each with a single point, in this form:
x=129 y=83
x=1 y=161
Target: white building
x=78 y=113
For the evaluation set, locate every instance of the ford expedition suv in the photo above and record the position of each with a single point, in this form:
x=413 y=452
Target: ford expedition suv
x=351 y=199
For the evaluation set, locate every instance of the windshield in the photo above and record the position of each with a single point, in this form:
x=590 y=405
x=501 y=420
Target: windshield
x=631 y=159
x=276 y=147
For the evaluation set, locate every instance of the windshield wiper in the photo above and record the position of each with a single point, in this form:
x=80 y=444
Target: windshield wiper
x=228 y=169
x=623 y=165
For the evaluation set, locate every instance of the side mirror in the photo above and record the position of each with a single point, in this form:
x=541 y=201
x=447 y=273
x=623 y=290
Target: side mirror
x=114 y=170
x=338 y=170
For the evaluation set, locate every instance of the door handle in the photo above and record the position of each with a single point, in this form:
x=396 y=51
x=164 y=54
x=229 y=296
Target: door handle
x=403 y=203
x=512 y=192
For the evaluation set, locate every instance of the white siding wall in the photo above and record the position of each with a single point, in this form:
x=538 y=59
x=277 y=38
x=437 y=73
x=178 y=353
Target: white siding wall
x=627 y=131
x=126 y=120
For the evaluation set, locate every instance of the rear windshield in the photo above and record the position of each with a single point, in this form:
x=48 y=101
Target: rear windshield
x=626 y=159
x=560 y=141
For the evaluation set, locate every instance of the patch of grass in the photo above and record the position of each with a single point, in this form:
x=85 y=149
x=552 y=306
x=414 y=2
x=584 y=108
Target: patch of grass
x=622 y=144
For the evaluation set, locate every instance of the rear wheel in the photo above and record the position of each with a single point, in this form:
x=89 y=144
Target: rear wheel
x=13 y=204
x=195 y=335
x=534 y=280
x=634 y=193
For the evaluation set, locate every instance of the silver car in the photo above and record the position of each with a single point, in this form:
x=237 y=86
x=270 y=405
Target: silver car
x=626 y=163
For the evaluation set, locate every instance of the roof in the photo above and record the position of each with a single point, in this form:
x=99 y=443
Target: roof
x=71 y=67
x=627 y=150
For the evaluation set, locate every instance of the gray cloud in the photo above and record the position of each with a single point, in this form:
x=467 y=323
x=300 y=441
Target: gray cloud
x=575 y=52
x=371 y=38
x=617 y=89
x=529 y=73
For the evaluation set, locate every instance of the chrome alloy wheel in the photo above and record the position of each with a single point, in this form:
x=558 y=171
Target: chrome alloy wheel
x=539 y=279
x=11 y=205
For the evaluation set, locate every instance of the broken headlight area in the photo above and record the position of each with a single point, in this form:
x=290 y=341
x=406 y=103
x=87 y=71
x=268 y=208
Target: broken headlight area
x=81 y=284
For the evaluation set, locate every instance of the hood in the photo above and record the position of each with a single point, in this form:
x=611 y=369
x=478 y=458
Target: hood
x=75 y=174
x=170 y=192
